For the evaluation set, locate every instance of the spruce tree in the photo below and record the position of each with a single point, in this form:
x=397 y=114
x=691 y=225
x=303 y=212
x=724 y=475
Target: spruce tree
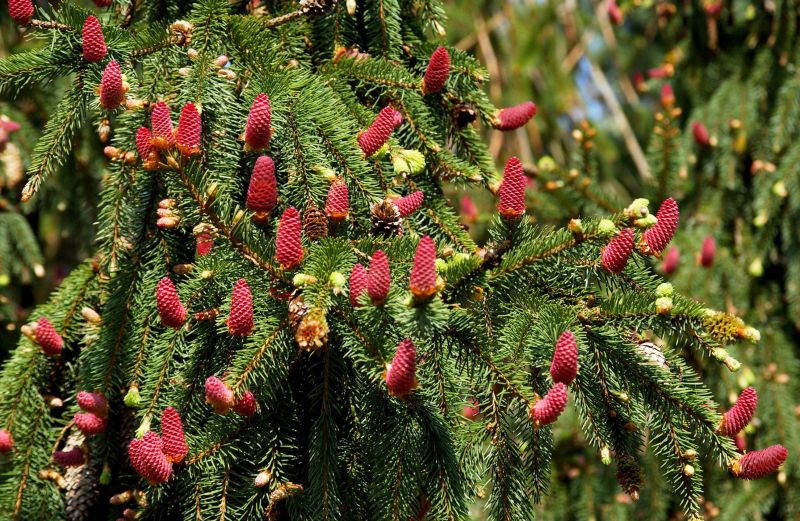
x=284 y=317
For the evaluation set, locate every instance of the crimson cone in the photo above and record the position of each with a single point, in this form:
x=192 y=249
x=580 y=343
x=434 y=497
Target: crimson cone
x=262 y=194
x=148 y=459
x=94 y=45
x=740 y=414
x=337 y=205
x=358 y=284
x=615 y=255
x=658 y=236
x=409 y=204
x=423 y=271
x=401 y=375
x=6 y=441
x=75 y=457
x=170 y=309
x=257 y=132
x=161 y=123
x=218 y=395
x=707 y=252
x=288 y=248
x=376 y=135
x=512 y=191
x=671 y=261
x=246 y=404
x=758 y=464
x=548 y=409
x=437 y=71
x=47 y=337
x=564 y=367
x=512 y=118
x=89 y=423
x=379 y=278
x=111 y=92
x=240 y=319
x=189 y=131
x=21 y=11
x=175 y=447
x=93 y=402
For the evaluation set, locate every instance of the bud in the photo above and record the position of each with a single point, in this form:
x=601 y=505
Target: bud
x=664 y=290
x=408 y=161
x=90 y=315
x=337 y=279
x=575 y=226
x=303 y=279
x=132 y=397
x=637 y=209
x=351 y=7
x=605 y=455
x=779 y=189
x=263 y=478
x=663 y=305
x=606 y=228
x=688 y=470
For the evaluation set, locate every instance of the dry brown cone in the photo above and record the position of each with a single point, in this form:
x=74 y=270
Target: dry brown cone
x=297 y=310
x=81 y=484
x=629 y=475
x=315 y=223
x=312 y=332
x=386 y=219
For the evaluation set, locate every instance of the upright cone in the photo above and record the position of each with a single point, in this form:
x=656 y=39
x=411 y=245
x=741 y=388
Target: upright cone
x=262 y=193
x=258 y=132
x=161 y=123
x=111 y=91
x=21 y=11
x=410 y=203
x=437 y=71
x=189 y=131
x=337 y=205
x=512 y=191
x=94 y=45
x=548 y=409
x=47 y=337
x=378 y=133
x=401 y=375
x=170 y=309
x=288 y=248
x=564 y=367
x=358 y=284
x=218 y=395
x=379 y=278
x=423 y=271
x=740 y=414
x=148 y=459
x=658 y=236
x=616 y=254
x=240 y=319
x=175 y=447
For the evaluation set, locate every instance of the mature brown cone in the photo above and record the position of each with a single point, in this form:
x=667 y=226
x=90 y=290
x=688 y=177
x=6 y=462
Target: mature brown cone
x=315 y=224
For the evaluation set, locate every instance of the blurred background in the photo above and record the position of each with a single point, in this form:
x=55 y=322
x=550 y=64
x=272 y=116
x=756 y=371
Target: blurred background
x=694 y=99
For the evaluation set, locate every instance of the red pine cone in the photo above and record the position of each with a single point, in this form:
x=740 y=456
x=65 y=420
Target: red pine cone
x=47 y=337
x=671 y=260
x=401 y=374
x=512 y=191
x=175 y=447
x=472 y=410
x=358 y=284
x=548 y=409
x=143 y=146
x=667 y=96
x=423 y=272
x=204 y=242
x=700 y=133
x=409 y=204
x=376 y=135
x=760 y=463
x=257 y=133
x=148 y=459
x=615 y=15
x=218 y=395
x=75 y=457
x=379 y=278
x=511 y=118
x=740 y=414
x=564 y=367
x=246 y=404
x=437 y=71
x=615 y=255
x=468 y=210
x=94 y=45
x=21 y=11
x=102 y=3
x=658 y=236
x=741 y=442
x=337 y=205
x=89 y=423
x=94 y=403
x=170 y=309
x=240 y=319
x=189 y=130
x=111 y=93
x=288 y=248
x=6 y=441
x=161 y=122
x=708 y=252
x=262 y=194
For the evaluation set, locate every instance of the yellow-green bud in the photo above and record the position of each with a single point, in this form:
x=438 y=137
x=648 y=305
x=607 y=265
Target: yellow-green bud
x=645 y=222
x=303 y=279
x=756 y=268
x=575 y=226
x=605 y=456
x=638 y=208
x=408 y=161
x=105 y=476
x=664 y=290
x=143 y=428
x=732 y=364
x=5 y=280
x=761 y=219
x=663 y=305
x=337 y=279
x=779 y=189
x=720 y=354
x=546 y=164
x=752 y=334
x=440 y=264
x=328 y=173
x=606 y=228
x=132 y=397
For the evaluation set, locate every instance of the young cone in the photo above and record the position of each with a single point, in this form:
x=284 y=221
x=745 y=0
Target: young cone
x=700 y=134
x=94 y=45
x=401 y=374
x=337 y=205
x=707 y=252
x=189 y=131
x=240 y=319
x=564 y=367
x=758 y=464
x=358 y=284
x=257 y=132
x=47 y=337
x=6 y=441
x=246 y=404
x=658 y=236
x=410 y=203
x=148 y=459
x=615 y=15
x=376 y=135
x=288 y=248
x=218 y=395
x=437 y=71
x=175 y=447
x=423 y=271
x=512 y=191
x=740 y=414
x=671 y=261
x=204 y=243
x=511 y=118
x=21 y=11
x=548 y=409
x=111 y=91
x=89 y=423
x=379 y=278
x=94 y=403
x=75 y=457
x=615 y=255
x=161 y=123
x=143 y=146
x=262 y=193
x=170 y=309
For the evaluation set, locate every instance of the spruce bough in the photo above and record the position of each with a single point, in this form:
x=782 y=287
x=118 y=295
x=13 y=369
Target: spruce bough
x=228 y=368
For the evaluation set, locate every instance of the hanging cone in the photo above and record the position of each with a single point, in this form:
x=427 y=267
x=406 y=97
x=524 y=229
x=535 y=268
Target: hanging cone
x=379 y=278
x=564 y=367
x=548 y=409
x=189 y=131
x=94 y=45
x=401 y=374
x=615 y=255
x=111 y=90
x=372 y=139
x=288 y=248
x=148 y=459
x=246 y=405
x=337 y=205
x=257 y=133
x=437 y=72
x=175 y=447
x=658 y=236
x=218 y=395
x=240 y=319
x=671 y=261
x=89 y=423
x=358 y=284
x=47 y=337
x=170 y=309
x=707 y=252
x=423 y=272
x=758 y=464
x=512 y=191
x=740 y=414
x=94 y=403
x=410 y=203
x=512 y=118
